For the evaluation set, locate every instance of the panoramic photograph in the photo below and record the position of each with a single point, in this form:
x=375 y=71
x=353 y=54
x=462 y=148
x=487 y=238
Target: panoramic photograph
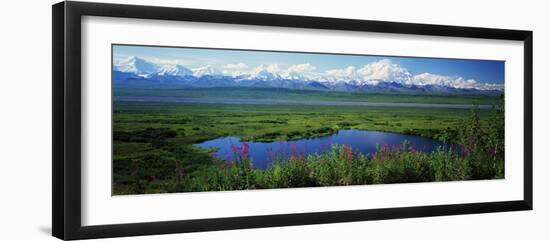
x=202 y=119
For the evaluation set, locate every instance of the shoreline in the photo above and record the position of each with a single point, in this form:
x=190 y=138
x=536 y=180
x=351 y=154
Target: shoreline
x=189 y=100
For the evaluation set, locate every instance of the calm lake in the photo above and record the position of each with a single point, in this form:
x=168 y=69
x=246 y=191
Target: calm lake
x=263 y=153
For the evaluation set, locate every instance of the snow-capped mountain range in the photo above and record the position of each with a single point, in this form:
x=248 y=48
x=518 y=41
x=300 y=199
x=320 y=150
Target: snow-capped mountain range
x=382 y=75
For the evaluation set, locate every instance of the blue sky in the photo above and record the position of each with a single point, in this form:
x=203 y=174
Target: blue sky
x=483 y=71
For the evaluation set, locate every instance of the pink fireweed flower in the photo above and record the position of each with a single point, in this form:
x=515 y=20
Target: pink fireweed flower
x=348 y=153
x=238 y=152
x=294 y=150
x=384 y=152
x=245 y=150
x=227 y=157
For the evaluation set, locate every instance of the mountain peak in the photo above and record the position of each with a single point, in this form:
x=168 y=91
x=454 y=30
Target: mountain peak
x=265 y=72
x=175 y=70
x=206 y=71
x=137 y=66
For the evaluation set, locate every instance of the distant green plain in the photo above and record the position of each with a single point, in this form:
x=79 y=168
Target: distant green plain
x=290 y=94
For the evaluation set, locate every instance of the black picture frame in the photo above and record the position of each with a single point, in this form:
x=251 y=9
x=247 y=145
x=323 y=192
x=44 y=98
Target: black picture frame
x=66 y=59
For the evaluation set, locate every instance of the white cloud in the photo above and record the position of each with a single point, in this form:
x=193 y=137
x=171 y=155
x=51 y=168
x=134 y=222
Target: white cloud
x=372 y=73
x=234 y=73
x=273 y=68
x=347 y=72
x=384 y=70
x=170 y=62
x=301 y=68
x=235 y=70
x=297 y=71
x=240 y=65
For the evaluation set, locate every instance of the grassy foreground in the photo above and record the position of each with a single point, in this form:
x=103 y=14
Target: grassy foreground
x=340 y=166
x=153 y=150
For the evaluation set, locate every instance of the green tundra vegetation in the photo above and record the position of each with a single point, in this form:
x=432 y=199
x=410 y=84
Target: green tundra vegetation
x=153 y=148
x=297 y=94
